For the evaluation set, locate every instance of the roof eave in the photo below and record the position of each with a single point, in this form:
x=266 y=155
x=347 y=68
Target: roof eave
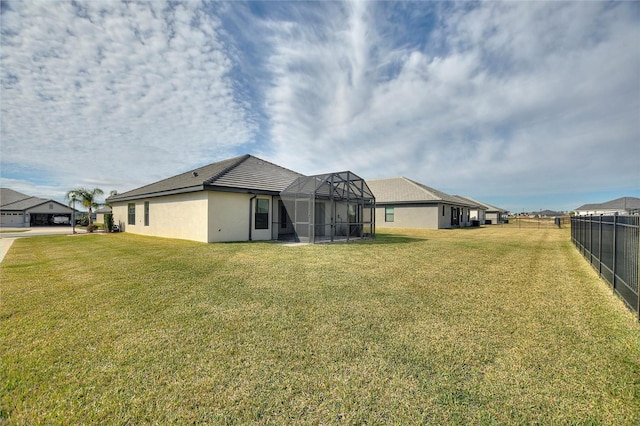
x=125 y=197
x=240 y=190
x=192 y=189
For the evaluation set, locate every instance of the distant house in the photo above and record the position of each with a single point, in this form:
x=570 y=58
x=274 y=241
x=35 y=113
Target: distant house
x=22 y=210
x=478 y=212
x=99 y=213
x=621 y=206
x=550 y=213
x=246 y=198
x=492 y=214
x=404 y=203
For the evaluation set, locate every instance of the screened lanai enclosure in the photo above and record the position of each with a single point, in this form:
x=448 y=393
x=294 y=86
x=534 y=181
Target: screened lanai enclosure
x=330 y=207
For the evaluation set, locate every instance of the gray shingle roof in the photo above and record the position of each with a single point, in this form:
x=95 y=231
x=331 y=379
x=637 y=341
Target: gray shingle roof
x=17 y=201
x=245 y=173
x=471 y=202
x=402 y=190
x=622 y=203
x=9 y=196
x=487 y=207
x=24 y=204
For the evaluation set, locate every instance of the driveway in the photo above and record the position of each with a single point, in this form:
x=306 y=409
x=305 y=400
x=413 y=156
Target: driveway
x=9 y=235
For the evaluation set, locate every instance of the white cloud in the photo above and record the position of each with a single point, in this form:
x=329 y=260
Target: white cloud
x=488 y=99
x=536 y=96
x=127 y=91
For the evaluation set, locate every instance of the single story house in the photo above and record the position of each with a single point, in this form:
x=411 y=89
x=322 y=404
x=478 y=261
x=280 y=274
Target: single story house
x=404 y=203
x=477 y=213
x=22 y=210
x=620 y=206
x=246 y=198
x=492 y=214
x=99 y=213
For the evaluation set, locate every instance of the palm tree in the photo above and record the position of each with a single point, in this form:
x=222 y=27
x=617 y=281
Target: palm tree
x=87 y=197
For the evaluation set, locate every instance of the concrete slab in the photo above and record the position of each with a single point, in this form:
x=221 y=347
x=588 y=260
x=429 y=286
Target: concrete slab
x=5 y=245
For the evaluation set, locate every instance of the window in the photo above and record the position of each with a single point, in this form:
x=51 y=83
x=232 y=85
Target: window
x=146 y=213
x=262 y=213
x=442 y=210
x=50 y=206
x=132 y=214
x=388 y=214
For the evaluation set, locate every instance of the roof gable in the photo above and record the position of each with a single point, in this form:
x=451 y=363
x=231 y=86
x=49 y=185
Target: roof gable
x=243 y=173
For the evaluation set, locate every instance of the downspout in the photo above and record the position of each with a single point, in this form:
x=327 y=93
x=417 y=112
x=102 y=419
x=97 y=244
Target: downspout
x=251 y=214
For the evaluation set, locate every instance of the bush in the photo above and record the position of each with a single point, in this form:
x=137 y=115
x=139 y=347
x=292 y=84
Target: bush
x=92 y=227
x=108 y=222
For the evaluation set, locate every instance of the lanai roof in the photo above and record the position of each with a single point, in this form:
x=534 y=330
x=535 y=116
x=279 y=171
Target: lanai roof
x=340 y=185
x=245 y=173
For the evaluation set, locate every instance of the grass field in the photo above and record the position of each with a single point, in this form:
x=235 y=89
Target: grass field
x=473 y=326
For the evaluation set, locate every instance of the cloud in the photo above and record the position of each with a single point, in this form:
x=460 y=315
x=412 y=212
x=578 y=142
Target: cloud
x=506 y=93
x=120 y=91
x=490 y=100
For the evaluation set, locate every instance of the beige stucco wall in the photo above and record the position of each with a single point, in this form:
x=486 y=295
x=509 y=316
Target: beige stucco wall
x=182 y=216
x=444 y=220
x=414 y=216
x=229 y=216
x=426 y=216
x=478 y=214
x=494 y=217
x=206 y=216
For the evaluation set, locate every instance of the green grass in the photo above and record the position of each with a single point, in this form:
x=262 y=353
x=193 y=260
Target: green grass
x=474 y=326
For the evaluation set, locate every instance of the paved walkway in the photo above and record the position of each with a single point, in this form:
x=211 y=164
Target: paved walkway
x=5 y=245
x=9 y=235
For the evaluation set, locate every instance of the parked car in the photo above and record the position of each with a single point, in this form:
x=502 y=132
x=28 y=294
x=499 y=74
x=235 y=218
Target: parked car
x=61 y=220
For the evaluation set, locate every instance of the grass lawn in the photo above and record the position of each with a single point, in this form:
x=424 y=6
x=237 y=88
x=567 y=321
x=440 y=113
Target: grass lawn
x=477 y=326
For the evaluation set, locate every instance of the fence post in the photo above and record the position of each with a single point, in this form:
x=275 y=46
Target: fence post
x=591 y=240
x=615 y=251
x=600 y=247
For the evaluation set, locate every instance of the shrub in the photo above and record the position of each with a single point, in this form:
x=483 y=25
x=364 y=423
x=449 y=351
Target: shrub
x=108 y=222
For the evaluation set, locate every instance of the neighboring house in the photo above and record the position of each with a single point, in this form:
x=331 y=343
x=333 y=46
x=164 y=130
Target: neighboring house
x=238 y=199
x=21 y=210
x=492 y=214
x=99 y=214
x=477 y=211
x=621 y=206
x=549 y=213
x=404 y=203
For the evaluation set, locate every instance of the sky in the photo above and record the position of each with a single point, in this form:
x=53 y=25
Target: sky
x=523 y=105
